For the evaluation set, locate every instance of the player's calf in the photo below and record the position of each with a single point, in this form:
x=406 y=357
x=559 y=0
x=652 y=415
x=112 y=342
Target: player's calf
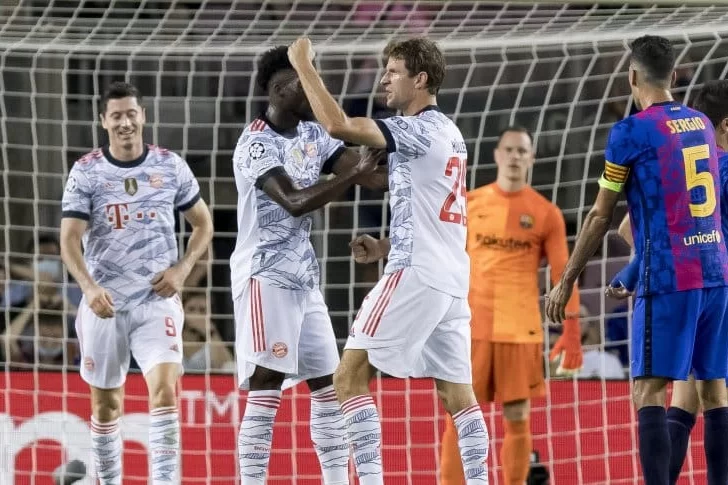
x=255 y=437
x=473 y=441
x=106 y=440
x=714 y=398
x=684 y=406
x=164 y=426
x=328 y=431
x=649 y=394
x=351 y=381
x=517 y=442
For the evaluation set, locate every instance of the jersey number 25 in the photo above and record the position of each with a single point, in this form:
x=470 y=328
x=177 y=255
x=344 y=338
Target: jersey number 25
x=695 y=179
x=456 y=169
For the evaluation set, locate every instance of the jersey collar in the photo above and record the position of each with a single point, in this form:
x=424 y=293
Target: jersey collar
x=129 y=164
x=431 y=107
x=293 y=133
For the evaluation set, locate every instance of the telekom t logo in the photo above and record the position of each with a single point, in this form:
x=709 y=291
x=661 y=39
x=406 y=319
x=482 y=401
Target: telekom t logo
x=119 y=214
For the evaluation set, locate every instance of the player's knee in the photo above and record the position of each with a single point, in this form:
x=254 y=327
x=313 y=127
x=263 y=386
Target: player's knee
x=163 y=396
x=341 y=382
x=106 y=404
x=266 y=379
x=516 y=410
x=352 y=376
x=685 y=396
x=455 y=397
x=713 y=394
x=649 y=391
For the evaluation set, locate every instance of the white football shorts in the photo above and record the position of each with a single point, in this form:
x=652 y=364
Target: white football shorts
x=152 y=332
x=410 y=329
x=284 y=330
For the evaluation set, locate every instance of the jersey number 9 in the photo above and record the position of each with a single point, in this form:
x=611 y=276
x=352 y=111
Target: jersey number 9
x=456 y=169
x=695 y=179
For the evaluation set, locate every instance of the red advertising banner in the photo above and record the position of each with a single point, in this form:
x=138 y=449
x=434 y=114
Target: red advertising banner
x=584 y=432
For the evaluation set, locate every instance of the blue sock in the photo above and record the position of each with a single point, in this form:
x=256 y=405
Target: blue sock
x=679 y=425
x=716 y=446
x=654 y=445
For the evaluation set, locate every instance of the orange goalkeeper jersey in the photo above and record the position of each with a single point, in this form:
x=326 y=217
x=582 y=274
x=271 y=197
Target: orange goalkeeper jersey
x=508 y=236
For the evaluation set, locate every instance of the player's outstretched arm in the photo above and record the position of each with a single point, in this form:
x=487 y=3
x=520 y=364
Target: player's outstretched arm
x=365 y=249
x=98 y=299
x=595 y=227
x=297 y=202
x=567 y=350
x=360 y=131
x=171 y=281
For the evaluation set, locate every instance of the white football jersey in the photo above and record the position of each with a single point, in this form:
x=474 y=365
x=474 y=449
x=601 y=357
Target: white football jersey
x=130 y=209
x=272 y=245
x=427 y=164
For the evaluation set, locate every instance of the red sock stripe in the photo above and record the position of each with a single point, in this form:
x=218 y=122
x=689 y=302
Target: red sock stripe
x=463 y=412
x=163 y=411
x=328 y=396
x=256 y=316
x=355 y=403
x=265 y=402
x=384 y=298
x=104 y=428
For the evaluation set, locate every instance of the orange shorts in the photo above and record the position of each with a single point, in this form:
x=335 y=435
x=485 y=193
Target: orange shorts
x=506 y=372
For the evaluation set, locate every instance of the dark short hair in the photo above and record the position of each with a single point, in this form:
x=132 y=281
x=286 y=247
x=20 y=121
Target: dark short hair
x=119 y=90
x=271 y=62
x=513 y=129
x=712 y=100
x=655 y=55
x=420 y=55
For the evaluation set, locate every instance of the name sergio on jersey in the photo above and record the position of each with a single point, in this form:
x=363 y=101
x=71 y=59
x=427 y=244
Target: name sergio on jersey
x=490 y=241
x=712 y=237
x=682 y=125
x=118 y=215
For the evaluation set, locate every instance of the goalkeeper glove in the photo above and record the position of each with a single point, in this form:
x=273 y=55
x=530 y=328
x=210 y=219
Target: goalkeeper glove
x=567 y=350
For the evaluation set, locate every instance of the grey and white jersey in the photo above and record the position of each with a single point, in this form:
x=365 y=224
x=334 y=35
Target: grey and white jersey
x=130 y=209
x=427 y=165
x=273 y=245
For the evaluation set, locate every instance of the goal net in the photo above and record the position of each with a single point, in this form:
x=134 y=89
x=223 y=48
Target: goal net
x=557 y=69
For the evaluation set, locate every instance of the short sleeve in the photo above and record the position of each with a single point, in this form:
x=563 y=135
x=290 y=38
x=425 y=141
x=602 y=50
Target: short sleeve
x=407 y=135
x=619 y=155
x=329 y=148
x=256 y=156
x=188 y=189
x=78 y=195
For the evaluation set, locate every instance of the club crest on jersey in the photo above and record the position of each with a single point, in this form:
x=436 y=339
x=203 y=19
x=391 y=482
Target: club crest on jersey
x=130 y=186
x=297 y=156
x=156 y=181
x=311 y=150
x=526 y=221
x=256 y=150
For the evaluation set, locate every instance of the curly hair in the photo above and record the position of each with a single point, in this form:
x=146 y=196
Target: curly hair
x=420 y=55
x=271 y=62
x=712 y=100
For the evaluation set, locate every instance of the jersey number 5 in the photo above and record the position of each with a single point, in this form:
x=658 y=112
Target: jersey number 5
x=695 y=179
x=455 y=168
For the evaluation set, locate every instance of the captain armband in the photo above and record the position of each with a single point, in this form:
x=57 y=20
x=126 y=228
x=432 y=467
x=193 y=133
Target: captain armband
x=614 y=177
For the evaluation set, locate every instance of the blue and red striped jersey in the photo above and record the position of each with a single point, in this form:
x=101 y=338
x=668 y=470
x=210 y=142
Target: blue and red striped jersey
x=667 y=159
